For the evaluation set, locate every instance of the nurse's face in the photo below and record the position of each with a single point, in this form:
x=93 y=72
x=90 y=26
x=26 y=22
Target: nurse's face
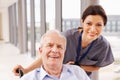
x=92 y=26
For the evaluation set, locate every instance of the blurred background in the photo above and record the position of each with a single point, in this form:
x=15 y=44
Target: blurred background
x=22 y=22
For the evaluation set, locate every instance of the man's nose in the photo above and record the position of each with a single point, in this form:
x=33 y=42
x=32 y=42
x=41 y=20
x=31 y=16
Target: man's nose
x=55 y=49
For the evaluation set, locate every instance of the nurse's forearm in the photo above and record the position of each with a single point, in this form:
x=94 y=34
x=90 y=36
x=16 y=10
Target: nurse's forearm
x=37 y=63
x=90 y=68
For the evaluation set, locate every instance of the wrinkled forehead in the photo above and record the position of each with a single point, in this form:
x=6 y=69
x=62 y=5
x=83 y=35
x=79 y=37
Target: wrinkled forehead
x=54 y=39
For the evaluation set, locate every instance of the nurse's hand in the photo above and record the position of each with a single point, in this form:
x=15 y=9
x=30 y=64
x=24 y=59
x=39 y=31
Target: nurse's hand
x=18 y=67
x=70 y=62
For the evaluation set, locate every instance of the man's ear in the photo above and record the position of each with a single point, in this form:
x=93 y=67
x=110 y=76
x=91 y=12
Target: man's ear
x=40 y=50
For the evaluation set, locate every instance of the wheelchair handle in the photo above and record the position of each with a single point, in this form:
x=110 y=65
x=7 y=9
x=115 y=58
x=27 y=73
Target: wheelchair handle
x=20 y=72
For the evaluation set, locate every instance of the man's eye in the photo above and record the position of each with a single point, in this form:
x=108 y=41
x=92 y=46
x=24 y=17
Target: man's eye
x=60 y=47
x=49 y=45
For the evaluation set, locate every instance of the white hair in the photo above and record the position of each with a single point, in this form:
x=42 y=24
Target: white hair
x=52 y=31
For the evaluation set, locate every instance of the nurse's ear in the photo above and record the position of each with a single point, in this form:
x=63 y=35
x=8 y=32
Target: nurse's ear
x=81 y=22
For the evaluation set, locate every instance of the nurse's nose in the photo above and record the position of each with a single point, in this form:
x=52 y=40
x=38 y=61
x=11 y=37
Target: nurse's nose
x=93 y=28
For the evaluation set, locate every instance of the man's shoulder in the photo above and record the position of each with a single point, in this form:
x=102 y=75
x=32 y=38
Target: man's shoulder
x=77 y=71
x=73 y=67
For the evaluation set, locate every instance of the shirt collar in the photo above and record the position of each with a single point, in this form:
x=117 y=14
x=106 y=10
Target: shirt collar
x=43 y=73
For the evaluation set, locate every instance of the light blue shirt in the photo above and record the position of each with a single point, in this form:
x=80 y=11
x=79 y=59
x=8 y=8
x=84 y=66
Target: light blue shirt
x=69 y=72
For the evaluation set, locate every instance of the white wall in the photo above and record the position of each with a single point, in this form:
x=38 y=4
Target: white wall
x=4 y=4
x=1 y=26
x=5 y=25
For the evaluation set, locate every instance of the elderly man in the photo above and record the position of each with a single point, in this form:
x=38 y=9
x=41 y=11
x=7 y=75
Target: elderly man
x=52 y=50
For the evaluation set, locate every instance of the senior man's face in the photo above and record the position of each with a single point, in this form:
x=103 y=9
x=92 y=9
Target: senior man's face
x=53 y=50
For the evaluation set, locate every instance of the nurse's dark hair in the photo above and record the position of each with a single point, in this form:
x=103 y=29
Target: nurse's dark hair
x=94 y=10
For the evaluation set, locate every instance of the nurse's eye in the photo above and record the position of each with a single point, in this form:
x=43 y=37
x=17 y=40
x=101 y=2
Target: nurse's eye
x=89 y=23
x=99 y=25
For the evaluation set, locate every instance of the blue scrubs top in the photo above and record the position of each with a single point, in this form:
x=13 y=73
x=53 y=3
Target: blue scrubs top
x=99 y=55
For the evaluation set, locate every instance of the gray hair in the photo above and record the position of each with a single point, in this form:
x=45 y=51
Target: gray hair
x=52 y=31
